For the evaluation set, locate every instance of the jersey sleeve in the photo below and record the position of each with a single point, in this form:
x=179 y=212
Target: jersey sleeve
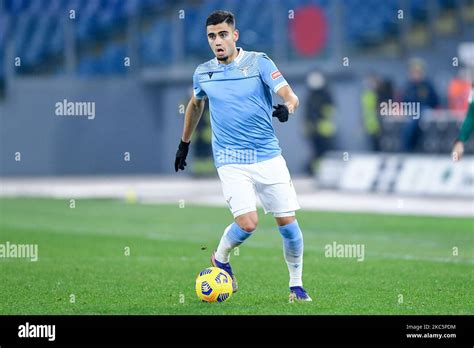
x=467 y=126
x=198 y=91
x=270 y=73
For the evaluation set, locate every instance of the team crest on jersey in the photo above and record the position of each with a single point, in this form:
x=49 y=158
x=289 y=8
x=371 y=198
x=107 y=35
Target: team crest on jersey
x=210 y=74
x=276 y=74
x=244 y=70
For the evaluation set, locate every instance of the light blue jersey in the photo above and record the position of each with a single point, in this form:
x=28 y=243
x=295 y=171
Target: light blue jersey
x=240 y=102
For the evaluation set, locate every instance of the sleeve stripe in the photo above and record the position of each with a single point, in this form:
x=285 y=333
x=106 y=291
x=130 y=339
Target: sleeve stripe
x=280 y=85
x=197 y=96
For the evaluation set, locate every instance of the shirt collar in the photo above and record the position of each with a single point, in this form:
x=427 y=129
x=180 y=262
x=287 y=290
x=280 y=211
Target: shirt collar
x=240 y=55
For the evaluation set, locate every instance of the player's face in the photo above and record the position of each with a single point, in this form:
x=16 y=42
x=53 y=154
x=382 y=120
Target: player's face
x=222 y=38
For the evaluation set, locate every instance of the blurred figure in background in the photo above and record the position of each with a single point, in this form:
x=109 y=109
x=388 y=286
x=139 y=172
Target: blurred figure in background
x=385 y=90
x=466 y=130
x=370 y=114
x=420 y=90
x=320 y=124
x=458 y=92
x=376 y=90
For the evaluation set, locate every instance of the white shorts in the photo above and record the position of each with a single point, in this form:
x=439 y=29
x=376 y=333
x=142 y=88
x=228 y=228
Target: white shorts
x=269 y=180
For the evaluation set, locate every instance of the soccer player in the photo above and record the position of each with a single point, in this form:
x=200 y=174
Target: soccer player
x=246 y=152
x=467 y=128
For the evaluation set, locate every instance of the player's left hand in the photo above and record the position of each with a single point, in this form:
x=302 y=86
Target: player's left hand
x=281 y=112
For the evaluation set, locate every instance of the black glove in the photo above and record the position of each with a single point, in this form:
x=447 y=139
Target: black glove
x=281 y=111
x=181 y=154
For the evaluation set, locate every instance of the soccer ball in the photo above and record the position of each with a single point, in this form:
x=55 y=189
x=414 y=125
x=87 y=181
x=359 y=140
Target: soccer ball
x=213 y=285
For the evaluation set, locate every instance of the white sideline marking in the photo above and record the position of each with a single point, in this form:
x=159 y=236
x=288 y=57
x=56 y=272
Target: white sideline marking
x=208 y=192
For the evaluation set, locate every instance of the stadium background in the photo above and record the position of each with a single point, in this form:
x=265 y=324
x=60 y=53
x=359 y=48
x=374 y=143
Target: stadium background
x=135 y=59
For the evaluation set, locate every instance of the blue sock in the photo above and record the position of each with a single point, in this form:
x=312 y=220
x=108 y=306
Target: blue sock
x=233 y=236
x=293 y=251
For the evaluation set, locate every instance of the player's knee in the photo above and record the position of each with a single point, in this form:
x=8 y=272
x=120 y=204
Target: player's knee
x=283 y=221
x=249 y=226
x=248 y=222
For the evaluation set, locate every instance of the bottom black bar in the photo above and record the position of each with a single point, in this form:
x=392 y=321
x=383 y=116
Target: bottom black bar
x=432 y=331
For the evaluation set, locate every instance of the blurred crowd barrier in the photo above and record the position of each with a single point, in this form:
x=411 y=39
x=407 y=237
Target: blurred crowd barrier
x=425 y=175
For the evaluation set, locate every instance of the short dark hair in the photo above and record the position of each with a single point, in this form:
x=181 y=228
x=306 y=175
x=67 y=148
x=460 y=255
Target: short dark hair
x=221 y=16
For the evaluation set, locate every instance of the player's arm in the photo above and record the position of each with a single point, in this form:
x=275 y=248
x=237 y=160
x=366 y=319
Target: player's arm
x=273 y=78
x=282 y=111
x=191 y=118
x=467 y=128
x=289 y=97
x=468 y=125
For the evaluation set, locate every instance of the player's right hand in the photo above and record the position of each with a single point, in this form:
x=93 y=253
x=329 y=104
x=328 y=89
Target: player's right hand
x=181 y=154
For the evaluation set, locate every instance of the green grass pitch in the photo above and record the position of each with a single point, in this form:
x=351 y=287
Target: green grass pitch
x=82 y=253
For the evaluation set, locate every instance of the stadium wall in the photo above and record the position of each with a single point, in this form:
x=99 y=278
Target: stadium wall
x=142 y=119
x=127 y=119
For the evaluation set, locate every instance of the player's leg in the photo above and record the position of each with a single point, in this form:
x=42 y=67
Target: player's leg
x=235 y=234
x=293 y=247
x=278 y=196
x=239 y=192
